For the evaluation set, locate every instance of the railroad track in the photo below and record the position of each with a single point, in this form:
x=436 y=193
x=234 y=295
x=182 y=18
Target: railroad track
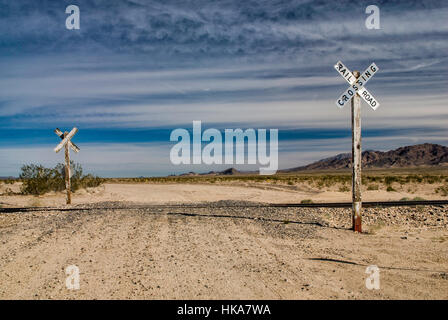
x=367 y=204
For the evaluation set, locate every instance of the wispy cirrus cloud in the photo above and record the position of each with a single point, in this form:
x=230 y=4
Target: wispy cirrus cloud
x=157 y=65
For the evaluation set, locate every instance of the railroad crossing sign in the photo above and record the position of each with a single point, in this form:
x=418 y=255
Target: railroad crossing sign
x=73 y=146
x=353 y=93
x=66 y=142
x=356 y=85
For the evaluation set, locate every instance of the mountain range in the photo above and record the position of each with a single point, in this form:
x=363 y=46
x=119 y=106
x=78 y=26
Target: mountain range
x=420 y=155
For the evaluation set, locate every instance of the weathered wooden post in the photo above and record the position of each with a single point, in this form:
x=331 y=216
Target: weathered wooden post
x=355 y=92
x=67 y=172
x=356 y=160
x=66 y=143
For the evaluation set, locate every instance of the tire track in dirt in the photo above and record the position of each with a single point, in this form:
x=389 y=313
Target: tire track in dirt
x=119 y=257
x=202 y=261
x=282 y=261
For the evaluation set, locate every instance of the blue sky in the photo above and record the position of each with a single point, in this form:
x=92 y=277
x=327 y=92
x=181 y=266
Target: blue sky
x=138 y=69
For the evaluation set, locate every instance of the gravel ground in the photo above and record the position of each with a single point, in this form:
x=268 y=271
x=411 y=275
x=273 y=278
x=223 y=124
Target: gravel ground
x=130 y=251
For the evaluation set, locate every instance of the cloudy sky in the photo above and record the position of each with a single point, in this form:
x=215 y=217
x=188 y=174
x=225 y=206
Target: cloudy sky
x=138 y=69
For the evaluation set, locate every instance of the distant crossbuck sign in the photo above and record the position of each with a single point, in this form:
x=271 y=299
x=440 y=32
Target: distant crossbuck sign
x=67 y=144
x=73 y=146
x=356 y=85
x=66 y=140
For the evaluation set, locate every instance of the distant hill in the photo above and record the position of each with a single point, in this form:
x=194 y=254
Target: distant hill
x=226 y=172
x=410 y=156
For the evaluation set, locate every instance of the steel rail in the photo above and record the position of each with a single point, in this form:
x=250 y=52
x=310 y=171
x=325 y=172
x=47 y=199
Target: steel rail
x=367 y=204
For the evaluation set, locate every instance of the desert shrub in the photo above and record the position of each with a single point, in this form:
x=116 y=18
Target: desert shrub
x=7 y=181
x=306 y=201
x=431 y=180
x=372 y=178
x=38 y=180
x=344 y=188
x=390 y=189
x=372 y=187
x=390 y=179
x=405 y=199
x=90 y=181
x=442 y=190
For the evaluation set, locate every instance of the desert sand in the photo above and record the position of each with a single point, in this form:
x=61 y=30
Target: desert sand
x=191 y=193
x=127 y=247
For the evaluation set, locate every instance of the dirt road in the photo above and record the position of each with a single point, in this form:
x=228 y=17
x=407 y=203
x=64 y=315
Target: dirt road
x=192 y=193
x=211 y=253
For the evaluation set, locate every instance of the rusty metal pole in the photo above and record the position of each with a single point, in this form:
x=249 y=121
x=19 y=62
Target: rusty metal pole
x=356 y=160
x=67 y=171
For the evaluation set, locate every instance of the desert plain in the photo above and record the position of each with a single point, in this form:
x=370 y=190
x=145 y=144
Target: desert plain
x=219 y=239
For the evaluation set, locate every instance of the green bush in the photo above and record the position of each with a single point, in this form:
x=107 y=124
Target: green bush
x=38 y=180
x=390 y=179
x=390 y=189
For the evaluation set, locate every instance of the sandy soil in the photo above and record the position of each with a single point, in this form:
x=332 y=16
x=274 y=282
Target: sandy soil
x=191 y=193
x=127 y=247
x=132 y=252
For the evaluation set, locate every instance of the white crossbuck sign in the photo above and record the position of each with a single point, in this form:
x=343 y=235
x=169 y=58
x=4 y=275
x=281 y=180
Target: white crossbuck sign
x=356 y=85
x=66 y=139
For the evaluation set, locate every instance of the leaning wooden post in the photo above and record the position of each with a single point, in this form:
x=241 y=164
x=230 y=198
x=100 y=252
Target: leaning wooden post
x=356 y=160
x=67 y=144
x=67 y=172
